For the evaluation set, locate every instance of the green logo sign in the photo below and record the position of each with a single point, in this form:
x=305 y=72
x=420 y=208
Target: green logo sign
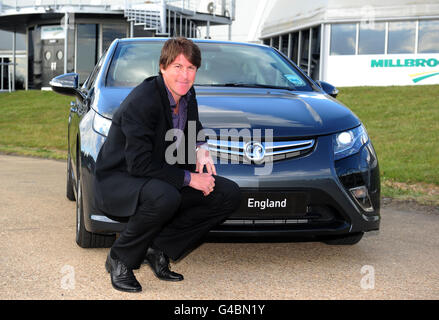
x=407 y=63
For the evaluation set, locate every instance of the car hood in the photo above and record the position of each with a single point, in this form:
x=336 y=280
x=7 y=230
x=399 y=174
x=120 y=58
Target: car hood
x=288 y=113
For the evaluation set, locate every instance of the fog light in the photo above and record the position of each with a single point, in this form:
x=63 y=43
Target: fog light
x=361 y=195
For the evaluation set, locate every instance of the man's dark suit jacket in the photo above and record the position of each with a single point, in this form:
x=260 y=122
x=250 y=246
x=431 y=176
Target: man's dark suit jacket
x=134 y=151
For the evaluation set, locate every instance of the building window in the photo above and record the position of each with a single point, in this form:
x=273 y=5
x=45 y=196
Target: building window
x=6 y=59
x=372 y=38
x=139 y=31
x=86 y=50
x=284 y=44
x=304 y=49
x=6 y=40
x=20 y=72
x=401 y=37
x=315 y=53
x=111 y=32
x=428 y=37
x=275 y=43
x=294 y=46
x=343 y=39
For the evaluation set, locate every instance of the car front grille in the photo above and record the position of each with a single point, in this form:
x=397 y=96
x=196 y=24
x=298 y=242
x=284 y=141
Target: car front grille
x=258 y=152
x=264 y=221
x=315 y=215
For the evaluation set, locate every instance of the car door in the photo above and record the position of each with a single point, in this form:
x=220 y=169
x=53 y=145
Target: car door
x=77 y=111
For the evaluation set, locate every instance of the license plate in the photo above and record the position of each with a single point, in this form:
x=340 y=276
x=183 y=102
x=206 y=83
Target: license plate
x=261 y=204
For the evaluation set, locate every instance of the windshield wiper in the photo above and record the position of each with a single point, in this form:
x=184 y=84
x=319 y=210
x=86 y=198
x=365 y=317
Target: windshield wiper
x=248 y=85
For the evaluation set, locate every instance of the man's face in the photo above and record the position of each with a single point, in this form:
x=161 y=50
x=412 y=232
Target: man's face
x=179 y=76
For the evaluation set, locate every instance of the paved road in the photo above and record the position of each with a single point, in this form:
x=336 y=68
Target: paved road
x=40 y=260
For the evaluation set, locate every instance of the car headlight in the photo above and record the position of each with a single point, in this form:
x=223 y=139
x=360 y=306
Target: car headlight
x=349 y=142
x=101 y=125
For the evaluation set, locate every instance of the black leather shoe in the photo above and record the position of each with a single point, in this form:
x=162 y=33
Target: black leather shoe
x=159 y=263
x=122 y=278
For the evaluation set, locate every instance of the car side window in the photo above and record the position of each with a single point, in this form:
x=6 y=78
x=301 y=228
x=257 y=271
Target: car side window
x=92 y=78
x=132 y=63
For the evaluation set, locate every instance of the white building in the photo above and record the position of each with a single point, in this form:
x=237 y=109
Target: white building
x=356 y=43
x=250 y=16
x=40 y=39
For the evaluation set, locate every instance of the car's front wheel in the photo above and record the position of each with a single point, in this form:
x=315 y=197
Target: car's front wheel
x=84 y=238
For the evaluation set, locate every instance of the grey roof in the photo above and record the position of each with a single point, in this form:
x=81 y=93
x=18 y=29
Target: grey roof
x=289 y=15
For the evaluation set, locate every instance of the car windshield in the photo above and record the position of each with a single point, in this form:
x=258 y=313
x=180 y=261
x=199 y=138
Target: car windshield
x=223 y=64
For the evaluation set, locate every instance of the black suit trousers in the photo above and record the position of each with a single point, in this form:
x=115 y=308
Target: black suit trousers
x=173 y=220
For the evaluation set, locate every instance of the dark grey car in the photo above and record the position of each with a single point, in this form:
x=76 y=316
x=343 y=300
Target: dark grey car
x=304 y=161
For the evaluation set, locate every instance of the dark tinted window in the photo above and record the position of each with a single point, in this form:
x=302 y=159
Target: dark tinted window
x=275 y=43
x=111 y=32
x=86 y=52
x=284 y=46
x=294 y=46
x=315 y=53
x=304 y=51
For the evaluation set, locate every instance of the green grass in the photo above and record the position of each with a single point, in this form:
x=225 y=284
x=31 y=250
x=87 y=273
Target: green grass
x=403 y=123
x=34 y=123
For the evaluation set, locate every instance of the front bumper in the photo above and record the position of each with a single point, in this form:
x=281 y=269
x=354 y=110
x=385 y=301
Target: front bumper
x=330 y=209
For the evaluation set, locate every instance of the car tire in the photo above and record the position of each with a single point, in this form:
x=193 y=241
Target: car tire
x=349 y=239
x=84 y=238
x=69 y=185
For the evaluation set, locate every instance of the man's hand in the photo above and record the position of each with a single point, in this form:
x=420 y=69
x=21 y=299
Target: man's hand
x=204 y=159
x=204 y=182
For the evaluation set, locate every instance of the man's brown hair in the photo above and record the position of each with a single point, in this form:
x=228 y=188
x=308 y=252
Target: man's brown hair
x=174 y=47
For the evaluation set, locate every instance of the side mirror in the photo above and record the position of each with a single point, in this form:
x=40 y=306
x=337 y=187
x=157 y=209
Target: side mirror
x=328 y=88
x=66 y=84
